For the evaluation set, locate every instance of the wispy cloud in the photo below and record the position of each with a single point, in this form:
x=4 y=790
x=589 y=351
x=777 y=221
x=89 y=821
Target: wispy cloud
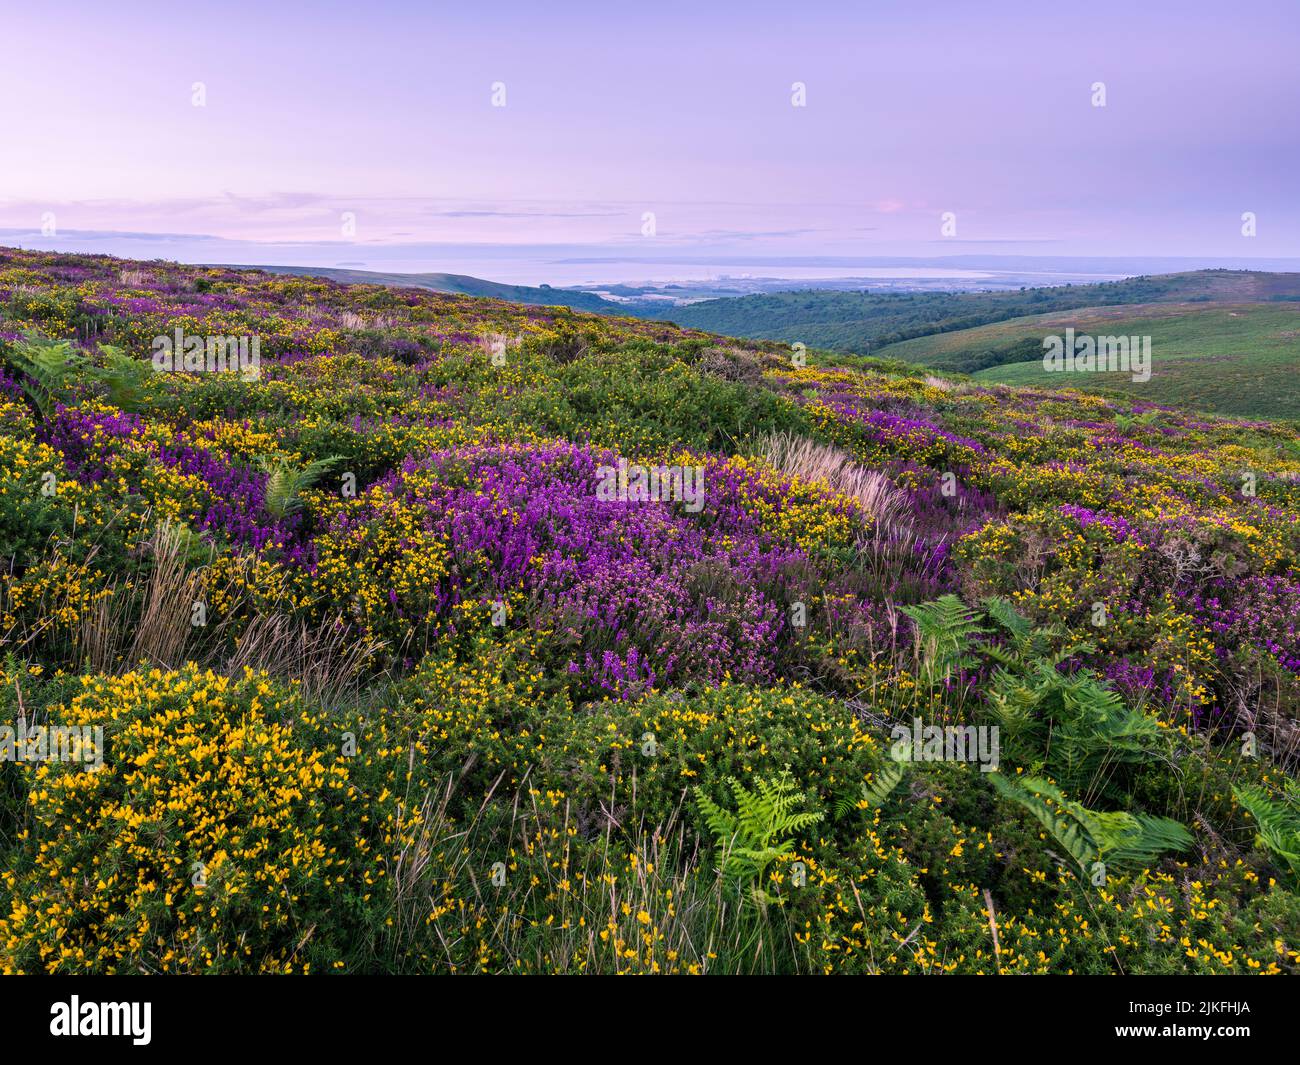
x=909 y=114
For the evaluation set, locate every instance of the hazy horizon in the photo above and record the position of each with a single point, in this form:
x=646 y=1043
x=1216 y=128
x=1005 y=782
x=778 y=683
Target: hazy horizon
x=579 y=266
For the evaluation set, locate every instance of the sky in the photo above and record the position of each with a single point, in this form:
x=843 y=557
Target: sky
x=343 y=133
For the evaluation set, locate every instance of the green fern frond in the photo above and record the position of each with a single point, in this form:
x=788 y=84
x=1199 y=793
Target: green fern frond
x=1006 y=615
x=1088 y=836
x=873 y=795
x=886 y=781
x=1069 y=722
x=720 y=823
x=1278 y=821
x=285 y=482
x=944 y=630
x=1148 y=837
x=123 y=377
x=1049 y=807
x=1074 y=724
x=758 y=832
x=42 y=369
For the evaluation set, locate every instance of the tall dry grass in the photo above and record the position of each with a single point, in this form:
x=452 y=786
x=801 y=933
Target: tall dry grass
x=149 y=623
x=826 y=464
x=153 y=622
x=666 y=889
x=327 y=659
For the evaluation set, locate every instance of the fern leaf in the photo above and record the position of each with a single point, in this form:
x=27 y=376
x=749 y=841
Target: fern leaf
x=1279 y=822
x=758 y=833
x=886 y=781
x=1051 y=810
x=285 y=483
x=42 y=368
x=1116 y=838
x=1148 y=838
x=944 y=628
x=1006 y=615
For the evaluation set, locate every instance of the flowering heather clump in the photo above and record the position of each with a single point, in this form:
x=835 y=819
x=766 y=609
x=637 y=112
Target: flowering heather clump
x=1261 y=614
x=370 y=631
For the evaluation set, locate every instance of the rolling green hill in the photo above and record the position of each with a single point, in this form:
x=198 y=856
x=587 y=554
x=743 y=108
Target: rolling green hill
x=1227 y=358
x=460 y=285
x=866 y=321
x=1226 y=341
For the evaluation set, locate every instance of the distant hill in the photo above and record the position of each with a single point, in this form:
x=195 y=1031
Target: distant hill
x=1224 y=341
x=864 y=322
x=461 y=285
x=1241 y=359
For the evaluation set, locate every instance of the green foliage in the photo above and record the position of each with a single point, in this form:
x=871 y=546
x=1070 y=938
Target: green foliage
x=286 y=482
x=28 y=519
x=123 y=377
x=645 y=400
x=760 y=830
x=1072 y=725
x=873 y=795
x=1116 y=839
x=45 y=368
x=944 y=629
x=1015 y=623
x=1069 y=724
x=1278 y=821
x=42 y=369
x=1135 y=421
x=1026 y=644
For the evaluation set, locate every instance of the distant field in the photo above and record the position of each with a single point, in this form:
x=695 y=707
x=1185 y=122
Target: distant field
x=865 y=322
x=1241 y=359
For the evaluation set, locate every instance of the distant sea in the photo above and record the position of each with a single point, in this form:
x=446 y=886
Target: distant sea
x=566 y=266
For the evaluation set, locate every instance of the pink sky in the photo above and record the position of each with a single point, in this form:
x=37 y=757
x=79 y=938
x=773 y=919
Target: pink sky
x=384 y=110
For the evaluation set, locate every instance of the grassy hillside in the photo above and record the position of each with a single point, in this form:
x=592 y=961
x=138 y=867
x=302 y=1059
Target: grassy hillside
x=1230 y=358
x=864 y=322
x=1226 y=340
x=460 y=284
x=458 y=636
